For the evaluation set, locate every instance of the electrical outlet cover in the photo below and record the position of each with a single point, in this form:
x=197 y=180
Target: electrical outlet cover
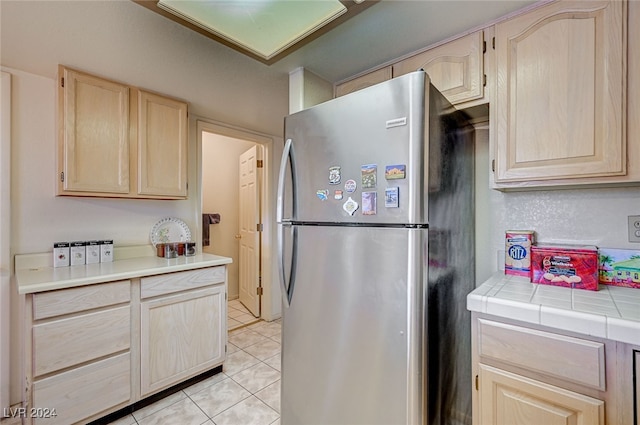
x=634 y=228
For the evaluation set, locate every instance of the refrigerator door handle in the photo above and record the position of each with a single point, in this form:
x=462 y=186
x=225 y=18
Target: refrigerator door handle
x=287 y=290
x=287 y=156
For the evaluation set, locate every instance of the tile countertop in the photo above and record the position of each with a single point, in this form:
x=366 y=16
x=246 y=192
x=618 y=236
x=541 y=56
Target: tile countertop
x=33 y=276
x=612 y=312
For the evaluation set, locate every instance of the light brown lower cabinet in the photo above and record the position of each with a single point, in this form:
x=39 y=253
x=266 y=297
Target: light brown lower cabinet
x=636 y=385
x=181 y=336
x=91 y=350
x=509 y=399
x=529 y=374
x=76 y=394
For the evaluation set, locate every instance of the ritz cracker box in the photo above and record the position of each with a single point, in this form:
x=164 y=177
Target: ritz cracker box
x=517 y=252
x=573 y=266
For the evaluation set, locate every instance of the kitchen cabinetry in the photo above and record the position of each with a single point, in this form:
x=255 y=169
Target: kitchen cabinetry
x=162 y=146
x=100 y=339
x=81 y=340
x=636 y=385
x=509 y=398
x=544 y=354
x=119 y=141
x=183 y=324
x=560 y=99
x=358 y=83
x=456 y=68
x=530 y=374
x=525 y=398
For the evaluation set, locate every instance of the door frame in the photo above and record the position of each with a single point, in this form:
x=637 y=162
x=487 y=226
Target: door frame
x=5 y=241
x=270 y=300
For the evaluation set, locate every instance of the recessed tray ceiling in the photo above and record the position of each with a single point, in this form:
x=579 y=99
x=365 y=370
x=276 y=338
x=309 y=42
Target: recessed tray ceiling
x=266 y=30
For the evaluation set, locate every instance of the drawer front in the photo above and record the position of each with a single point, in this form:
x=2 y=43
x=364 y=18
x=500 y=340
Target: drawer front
x=577 y=360
x=74 y=340
x=181 y=281
x=83 y=392
x=73 y=300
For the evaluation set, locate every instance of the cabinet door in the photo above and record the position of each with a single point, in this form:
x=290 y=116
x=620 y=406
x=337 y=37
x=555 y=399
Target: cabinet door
x=455 y=68
x=636 y=385
x=162 y=146
x=363 y=81
x=560 y=92
x=181 y=335
x=508 y=399
x=93 y=135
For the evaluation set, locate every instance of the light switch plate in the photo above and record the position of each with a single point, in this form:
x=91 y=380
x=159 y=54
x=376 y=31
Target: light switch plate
x=634 y=228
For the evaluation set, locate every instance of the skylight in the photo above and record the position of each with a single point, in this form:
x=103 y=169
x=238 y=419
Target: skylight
x=264 y=29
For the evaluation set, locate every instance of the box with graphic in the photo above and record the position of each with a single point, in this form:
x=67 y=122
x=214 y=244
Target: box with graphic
x=573 y=266
x=517 y=252
x=619 y=267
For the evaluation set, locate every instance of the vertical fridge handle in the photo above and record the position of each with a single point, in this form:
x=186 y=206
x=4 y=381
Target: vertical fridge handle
x=287 y=290
x=286 y=157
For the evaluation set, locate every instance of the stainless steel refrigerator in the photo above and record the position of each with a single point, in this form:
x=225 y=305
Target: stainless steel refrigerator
x=376 y=252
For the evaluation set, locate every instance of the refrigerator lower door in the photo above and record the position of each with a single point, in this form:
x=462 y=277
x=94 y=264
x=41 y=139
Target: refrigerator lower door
x=353 y=334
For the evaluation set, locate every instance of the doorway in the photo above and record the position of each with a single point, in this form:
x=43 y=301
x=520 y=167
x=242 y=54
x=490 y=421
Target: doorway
x=233 y=187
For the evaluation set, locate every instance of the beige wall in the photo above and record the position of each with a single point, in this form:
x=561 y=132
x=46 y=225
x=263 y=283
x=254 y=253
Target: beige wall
x=220 y=194
x=121 y=41
x=125 y=42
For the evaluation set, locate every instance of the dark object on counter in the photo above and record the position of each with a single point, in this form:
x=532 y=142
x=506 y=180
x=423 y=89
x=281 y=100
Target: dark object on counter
x=189 y=249
x=171 y=250
x=178 y=247
x=208 y=219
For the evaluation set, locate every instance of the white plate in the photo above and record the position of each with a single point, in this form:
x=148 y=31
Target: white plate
x=170 y=229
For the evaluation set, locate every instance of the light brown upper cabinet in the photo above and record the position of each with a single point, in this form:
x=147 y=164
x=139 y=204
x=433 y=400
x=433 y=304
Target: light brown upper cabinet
x=162 y=146
x=119 y=141
x=560 y=100
x=366 y=80
x=456 y=68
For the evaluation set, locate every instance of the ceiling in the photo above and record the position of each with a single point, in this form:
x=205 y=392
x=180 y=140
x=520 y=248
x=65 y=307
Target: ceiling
x=265 y=30
x=387 y=30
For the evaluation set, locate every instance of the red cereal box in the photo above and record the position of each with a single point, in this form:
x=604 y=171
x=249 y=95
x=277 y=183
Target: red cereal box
x=573 y=266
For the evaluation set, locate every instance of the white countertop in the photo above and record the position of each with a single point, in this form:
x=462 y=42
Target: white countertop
x=46 y=278
x=612 y=312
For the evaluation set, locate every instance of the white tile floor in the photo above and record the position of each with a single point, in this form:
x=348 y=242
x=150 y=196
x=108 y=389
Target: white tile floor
x=238 y=315
x=246 y=392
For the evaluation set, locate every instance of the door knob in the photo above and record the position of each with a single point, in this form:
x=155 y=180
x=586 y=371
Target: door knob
x=238 y=236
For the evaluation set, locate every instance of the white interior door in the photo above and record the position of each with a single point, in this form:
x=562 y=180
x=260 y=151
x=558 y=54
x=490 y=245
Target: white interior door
x=249 y=236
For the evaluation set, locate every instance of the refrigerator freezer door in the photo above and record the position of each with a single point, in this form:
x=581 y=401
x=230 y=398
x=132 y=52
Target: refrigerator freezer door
x=360 y=158
x=353 y=333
